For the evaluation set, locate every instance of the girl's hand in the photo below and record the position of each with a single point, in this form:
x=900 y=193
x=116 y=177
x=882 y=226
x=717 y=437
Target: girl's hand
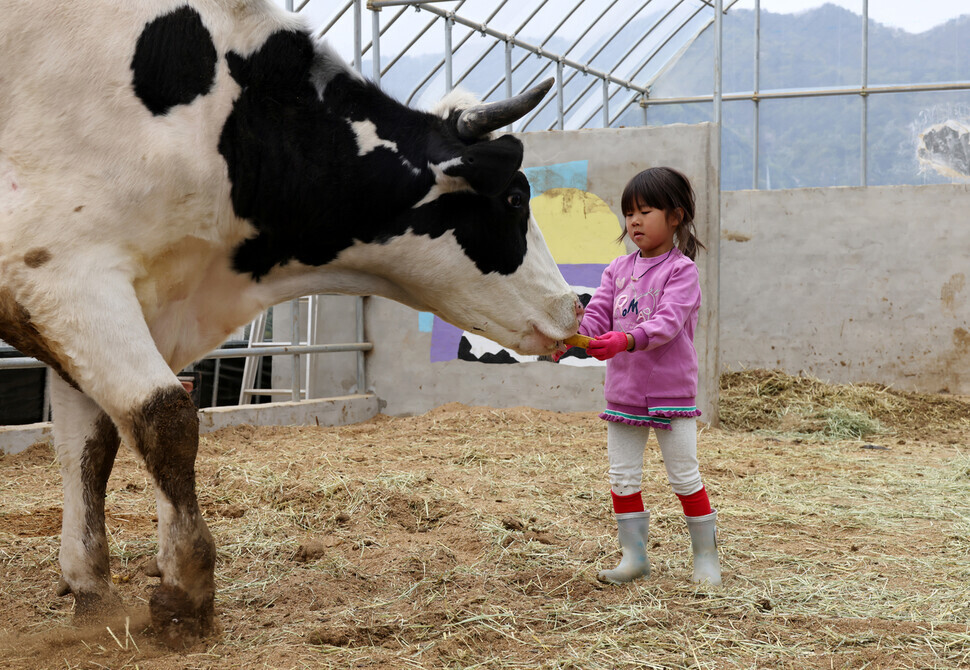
x=608 y=345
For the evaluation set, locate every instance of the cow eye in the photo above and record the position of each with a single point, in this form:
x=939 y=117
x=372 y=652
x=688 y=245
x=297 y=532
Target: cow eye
x=515 y=200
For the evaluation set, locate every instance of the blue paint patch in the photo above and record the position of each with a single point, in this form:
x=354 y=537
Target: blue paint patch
x=574 y=174
x=425 y=322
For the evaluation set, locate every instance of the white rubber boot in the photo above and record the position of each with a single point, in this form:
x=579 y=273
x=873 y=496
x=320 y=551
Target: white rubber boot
x=703 y=543
x=633 y=531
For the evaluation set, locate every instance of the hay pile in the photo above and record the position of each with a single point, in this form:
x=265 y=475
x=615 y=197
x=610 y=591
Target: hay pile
x=775 y=403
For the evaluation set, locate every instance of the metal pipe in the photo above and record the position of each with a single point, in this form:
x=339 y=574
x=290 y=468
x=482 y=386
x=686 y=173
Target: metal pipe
x=571 y=47
x=636 y=44
x=361 y=371
x=46 y=411
x=818 y=93
x=656 y=51
x=622 y=58
x=642 y=65
x=449 y=23
x=441 y=62
x=382 y=30
x=508 y=76
x=864 y=157
x=559 y=94
x=375 y=40
x=285 y=349
x=482 y=56
x=508 y=69
x=313 y=321
x=718 y=84
x=389 y=3
x=535 y=49
x=410 y=44
x=215 y=382
x=606 y=104
x=26 y=363
x=295 y=341
x=482 y=27
x=638 y=98
x=713 y=261
x=289 y=5
x=334 y=20
x=358 y=52
x=757 y=105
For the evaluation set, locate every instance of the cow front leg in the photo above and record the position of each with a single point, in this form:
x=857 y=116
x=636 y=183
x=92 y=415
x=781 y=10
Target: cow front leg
x=118 y=366
x=166 y=435
x=86 y=443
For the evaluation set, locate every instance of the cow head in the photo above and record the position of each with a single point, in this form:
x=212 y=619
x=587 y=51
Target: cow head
x=490 y=272
x=336 y=175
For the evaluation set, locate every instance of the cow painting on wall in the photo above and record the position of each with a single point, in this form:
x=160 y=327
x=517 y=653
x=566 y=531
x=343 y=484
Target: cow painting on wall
x=170 y=168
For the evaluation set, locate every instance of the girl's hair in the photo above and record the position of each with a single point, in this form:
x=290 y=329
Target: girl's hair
x=667 y=189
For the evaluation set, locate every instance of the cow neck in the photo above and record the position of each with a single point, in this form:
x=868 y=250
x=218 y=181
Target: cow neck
x=391 y=142
x=295 y=164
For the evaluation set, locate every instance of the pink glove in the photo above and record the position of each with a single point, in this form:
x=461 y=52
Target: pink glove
x=607 y=345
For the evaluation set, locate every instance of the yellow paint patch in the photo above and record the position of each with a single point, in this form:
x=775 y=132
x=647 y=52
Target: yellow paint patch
x=579 y=227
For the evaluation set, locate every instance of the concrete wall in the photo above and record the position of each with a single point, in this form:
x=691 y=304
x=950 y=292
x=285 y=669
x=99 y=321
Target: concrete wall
x=338 y=411
x=849 y=284
x=399 y=370
x=846 y=284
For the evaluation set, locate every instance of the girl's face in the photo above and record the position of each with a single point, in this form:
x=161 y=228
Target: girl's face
x=652 y=230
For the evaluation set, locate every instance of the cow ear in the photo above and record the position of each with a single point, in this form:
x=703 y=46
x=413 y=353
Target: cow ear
x=280 y=67
x=488 y=166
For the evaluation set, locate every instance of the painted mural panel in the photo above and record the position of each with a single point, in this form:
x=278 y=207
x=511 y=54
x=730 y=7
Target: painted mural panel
x=582 y=233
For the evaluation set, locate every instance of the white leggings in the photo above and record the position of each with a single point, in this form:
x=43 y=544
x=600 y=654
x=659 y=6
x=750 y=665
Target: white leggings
x=626 y=443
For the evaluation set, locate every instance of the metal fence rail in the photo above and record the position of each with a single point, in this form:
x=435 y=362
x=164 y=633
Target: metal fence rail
x=571 y=38
x=297 y=351
x=26 y=363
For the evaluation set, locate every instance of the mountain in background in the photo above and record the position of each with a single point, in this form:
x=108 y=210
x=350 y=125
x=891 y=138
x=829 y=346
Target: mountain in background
x=804 y=142
x=817 y=141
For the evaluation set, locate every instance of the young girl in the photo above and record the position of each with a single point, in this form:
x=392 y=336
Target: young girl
x=643 y=317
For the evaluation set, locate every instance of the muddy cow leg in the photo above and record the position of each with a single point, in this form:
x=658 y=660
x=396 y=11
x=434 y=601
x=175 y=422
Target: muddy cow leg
x=166 y=433
x=121 y=370
x=86 y=442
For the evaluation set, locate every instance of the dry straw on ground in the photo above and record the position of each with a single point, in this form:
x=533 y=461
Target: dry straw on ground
x=470 y=537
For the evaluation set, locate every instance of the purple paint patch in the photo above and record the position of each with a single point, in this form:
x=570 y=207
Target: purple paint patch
x=444 y=341
x=445 y=337
x=583 y=274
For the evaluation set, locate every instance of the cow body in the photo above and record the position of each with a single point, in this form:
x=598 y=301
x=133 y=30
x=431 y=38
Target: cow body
x=169 y=169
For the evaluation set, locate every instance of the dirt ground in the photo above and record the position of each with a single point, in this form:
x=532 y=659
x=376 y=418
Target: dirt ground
x=470 y=538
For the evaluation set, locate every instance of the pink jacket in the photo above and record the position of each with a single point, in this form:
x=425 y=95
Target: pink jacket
x=656 y=300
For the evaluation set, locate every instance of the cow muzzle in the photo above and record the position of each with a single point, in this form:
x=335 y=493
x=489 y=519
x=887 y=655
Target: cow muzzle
x=543 y=339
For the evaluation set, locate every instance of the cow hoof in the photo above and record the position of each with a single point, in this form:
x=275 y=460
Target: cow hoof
x=92 y=607
x=150 y=568
x=63 y=588
x=177 y=620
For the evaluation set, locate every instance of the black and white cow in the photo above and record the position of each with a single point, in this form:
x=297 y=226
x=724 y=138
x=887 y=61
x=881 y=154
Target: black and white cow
x=170 y=168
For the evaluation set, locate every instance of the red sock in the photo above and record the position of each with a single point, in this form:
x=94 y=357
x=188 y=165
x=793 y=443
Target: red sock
x=626 y=504
x=696 y=504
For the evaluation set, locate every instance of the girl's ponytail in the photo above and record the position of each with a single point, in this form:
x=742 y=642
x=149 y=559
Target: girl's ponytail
x=687 y=240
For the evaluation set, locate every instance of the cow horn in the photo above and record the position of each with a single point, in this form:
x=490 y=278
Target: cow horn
x=486 y=117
